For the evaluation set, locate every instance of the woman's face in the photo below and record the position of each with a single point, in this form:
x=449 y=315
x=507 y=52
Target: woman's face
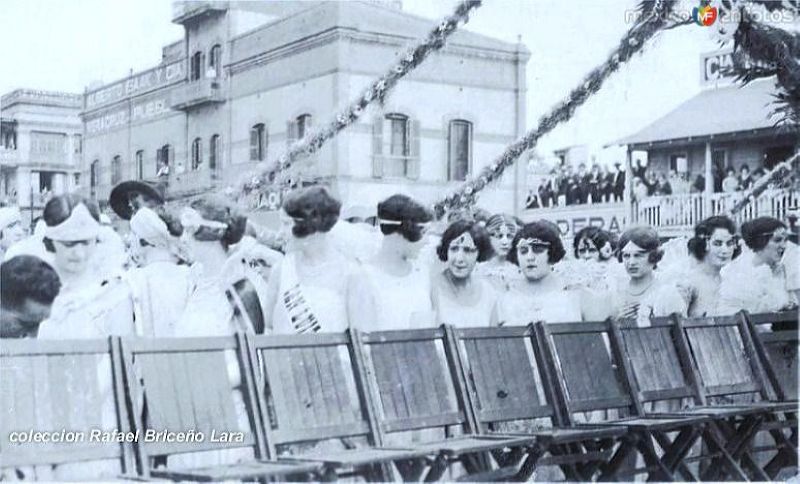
x=72 y=257
x=532 y=260
x=636 y=261
x=720 y=248
x=462 y=255
x=501 y=238
x=775 y=248
x=587 y=250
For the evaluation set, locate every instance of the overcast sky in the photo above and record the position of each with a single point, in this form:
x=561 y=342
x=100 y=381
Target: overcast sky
x=66 y=45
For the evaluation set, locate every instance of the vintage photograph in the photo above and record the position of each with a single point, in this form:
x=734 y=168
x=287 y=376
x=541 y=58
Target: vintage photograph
x=399 y=240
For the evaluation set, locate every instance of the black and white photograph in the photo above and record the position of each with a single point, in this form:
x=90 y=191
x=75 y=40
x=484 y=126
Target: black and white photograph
x=399 y=240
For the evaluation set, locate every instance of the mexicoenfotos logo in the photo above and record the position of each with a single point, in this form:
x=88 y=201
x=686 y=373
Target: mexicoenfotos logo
x=704 y=15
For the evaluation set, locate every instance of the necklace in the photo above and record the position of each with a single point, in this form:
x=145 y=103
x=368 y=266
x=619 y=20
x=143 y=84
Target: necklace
x=646 y=288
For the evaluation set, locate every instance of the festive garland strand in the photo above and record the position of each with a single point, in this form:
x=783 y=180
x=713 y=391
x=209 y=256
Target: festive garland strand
x=379 y=89
x=763 y=183
x=632 y=43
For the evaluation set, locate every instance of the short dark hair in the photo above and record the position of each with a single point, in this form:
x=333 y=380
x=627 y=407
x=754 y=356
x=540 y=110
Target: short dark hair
x=479 y=235
x=757 y=232
x=404 y=209
x=60 y=207
x=27 y=277
x=219 y=210
x=597 y=236
x=698 y=245
x=314 y=210
x=644 y=237
x=544 y=230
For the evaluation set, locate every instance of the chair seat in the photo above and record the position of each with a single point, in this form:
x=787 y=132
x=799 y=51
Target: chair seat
x=359 y=457
x=475 y=443
x=563 y=435
x=654 y=423
x=237 y=471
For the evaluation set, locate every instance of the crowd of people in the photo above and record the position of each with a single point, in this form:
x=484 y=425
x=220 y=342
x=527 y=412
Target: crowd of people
x=565 y=187
x=204 y=271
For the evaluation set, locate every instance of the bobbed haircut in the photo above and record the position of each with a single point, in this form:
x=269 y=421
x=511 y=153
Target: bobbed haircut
x=757 y=232
x=544 y=230
x=479 y=235
x=60 y=207
x=404 y=209
x=27 y=277
x=314 y=210
x=644 y=237
x=219 y=210
x=698 y=245
x=597 y=236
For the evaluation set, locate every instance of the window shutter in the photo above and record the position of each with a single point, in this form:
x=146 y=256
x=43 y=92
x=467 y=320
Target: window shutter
x=413 y=163
x=291 y=132
x=253 y=144
x=377 y=147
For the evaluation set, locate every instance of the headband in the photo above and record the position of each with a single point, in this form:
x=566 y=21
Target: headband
x=533 y=241
x=148 y=226
x=192 y=218
x=383 y=221
x=502 y=221
x=80 y=225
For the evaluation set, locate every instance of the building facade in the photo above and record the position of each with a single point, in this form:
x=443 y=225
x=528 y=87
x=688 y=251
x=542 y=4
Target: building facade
x=250 y=78
x=41 y=142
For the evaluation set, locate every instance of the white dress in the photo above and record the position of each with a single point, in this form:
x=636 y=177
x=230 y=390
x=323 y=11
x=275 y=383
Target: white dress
x=503 y=276
x=550 y=303
x=756 y=289
x=400 y=302
x=160 y=292
x=660 y=299
x=478 y=314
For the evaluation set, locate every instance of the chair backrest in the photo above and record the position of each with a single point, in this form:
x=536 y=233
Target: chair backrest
x=775 y=336
x=309 y=387
x=724 y=356
x=502 y=373
x=193 y=387
x=656 y=361
x=587 y=367
x=415 y=380
x=66 y=391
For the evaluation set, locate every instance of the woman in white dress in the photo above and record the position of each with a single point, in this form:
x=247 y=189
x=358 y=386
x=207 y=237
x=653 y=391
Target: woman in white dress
x=644 y=296
x=593 y=267
x=309 y=289
x=460 y=298
x=501 y=273
x=536 y=248
x=767 y=288
x=394 y=293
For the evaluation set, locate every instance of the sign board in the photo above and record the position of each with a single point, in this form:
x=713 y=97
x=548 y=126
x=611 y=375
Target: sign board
x=139 y=111
x=137 y=84
x=571 y=219
x=716 y=68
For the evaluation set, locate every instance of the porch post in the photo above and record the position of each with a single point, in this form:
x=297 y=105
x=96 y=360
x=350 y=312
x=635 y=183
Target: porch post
x=709 y=188
x=627 y=196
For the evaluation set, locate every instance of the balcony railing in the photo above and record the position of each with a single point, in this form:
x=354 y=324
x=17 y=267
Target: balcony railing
x=196 y=93
x=680 y=213
x=9 y=157
x=184 y=10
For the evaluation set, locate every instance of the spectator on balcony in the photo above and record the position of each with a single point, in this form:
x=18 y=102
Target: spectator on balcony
x=163 y=170
x=699 y=185
x=640 y=191
x=651 y=182
x=618 y=182
x=11 y=228
x=745 y=181
x=546 y=195
x=662 y=186
x=593 y=182
x=731 y=183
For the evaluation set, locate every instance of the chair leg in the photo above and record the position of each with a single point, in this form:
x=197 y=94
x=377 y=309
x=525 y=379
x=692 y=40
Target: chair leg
x=714 y=440
x=437 y=468
x=528 y=466
x=676 y=451
x=652 y=460
x=611 y=469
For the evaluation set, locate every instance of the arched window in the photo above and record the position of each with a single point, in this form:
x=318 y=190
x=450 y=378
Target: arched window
x=258 y=142
x=116 y=170
x=163 y=160
x=140 y=164
x=197 y=153
x=215 y=61
x=196 y=66
x=214 y=150
x=459 y=140
x=94 y=173
x=297 y=128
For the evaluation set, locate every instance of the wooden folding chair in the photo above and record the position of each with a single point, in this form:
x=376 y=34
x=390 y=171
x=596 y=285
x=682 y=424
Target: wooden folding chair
x=731 y=376
x=775 y=337
x=73 y=386
x=198 y=386
x=589 y=368
x=312 y=393
x=416 y=382
x=503 y=377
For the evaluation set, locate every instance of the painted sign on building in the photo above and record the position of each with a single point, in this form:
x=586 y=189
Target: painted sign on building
x=137 y=84
x=717 y=67
x=141 y=111
x=571 y=219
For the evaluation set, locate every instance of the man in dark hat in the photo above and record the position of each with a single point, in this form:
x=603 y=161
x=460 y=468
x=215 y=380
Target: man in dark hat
x=129 y=196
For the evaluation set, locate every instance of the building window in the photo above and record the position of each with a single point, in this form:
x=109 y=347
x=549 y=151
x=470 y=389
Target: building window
x=395 y=146
x=94 y=174
x=679 y=162
x=163 y=160
x=398 y=134
x=196 y=66
x=459 y=139
x=77 y=142
x=48 y=143
x=258 y=142
x=214 y=145
x=215 y=61
x=140 y=164
x=297 y=128
x=77 y=179
x=197 y=153
x=116 y=170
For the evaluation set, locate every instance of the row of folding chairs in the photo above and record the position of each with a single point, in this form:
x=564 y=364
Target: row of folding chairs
x=597 y=401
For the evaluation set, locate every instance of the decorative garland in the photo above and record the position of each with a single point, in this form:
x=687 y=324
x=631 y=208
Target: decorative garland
x=763 y=183
x=632 y=43
x=379 y=89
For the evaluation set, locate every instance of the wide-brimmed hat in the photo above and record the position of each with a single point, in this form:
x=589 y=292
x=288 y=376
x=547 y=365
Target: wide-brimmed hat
x=121 y=194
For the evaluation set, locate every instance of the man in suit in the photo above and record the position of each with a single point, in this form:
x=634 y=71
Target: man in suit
x=618 y=182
